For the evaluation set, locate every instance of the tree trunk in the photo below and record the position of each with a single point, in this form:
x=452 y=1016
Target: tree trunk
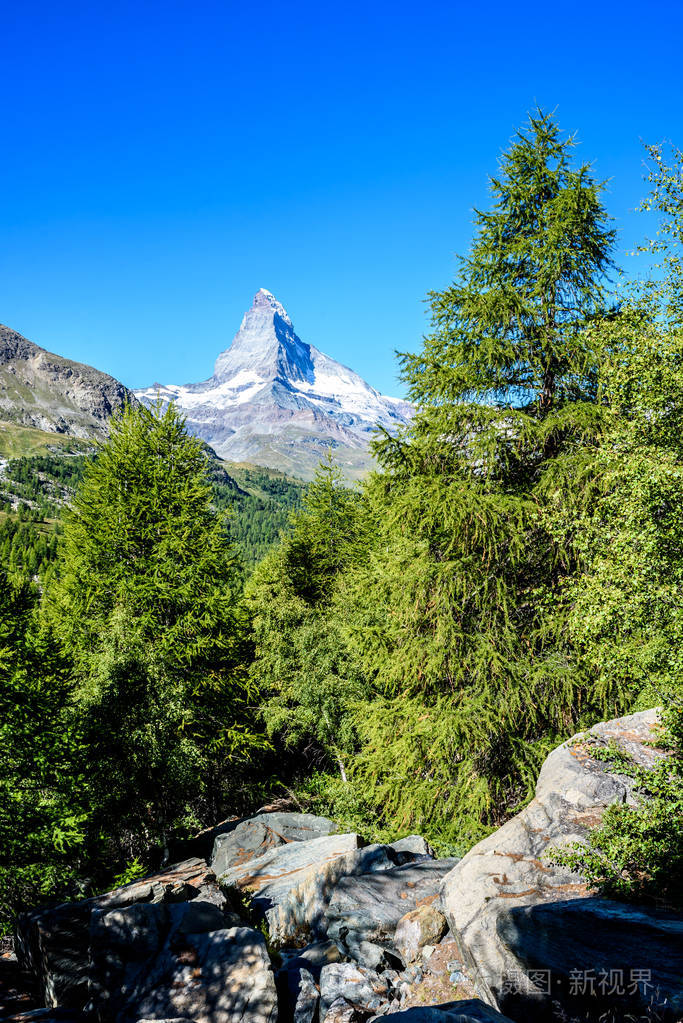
x=341 y=769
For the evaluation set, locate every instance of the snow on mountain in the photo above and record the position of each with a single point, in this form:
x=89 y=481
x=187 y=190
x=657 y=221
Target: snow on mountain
x=275 y=400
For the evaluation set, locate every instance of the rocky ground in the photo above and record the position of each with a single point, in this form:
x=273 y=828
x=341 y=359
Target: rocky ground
x=285 y=918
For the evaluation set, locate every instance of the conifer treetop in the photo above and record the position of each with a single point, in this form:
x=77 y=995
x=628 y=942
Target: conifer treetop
x=507 y=329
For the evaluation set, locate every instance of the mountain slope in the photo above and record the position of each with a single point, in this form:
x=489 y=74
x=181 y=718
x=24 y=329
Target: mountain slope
x=46 y=392
x=276 y=401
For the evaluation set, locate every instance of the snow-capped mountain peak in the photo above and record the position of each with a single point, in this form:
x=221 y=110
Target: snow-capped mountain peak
x=275 y=400
x=265 y=344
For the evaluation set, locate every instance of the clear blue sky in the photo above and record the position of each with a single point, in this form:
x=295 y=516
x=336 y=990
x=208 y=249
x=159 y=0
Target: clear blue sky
x=162 y=161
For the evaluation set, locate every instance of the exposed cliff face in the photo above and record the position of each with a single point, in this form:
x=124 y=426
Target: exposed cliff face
x=277 y=401
x=42 y=390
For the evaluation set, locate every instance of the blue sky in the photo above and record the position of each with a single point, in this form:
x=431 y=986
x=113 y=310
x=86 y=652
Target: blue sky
x=161 y=162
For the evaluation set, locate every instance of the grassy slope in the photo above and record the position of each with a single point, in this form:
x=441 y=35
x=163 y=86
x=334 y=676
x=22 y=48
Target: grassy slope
x=298 y=457
x=17 y=441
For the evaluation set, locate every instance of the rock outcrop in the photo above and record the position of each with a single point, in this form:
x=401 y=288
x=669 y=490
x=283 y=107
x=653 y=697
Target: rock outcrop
x=368 y=908
x=162 y=948
x=179 y=962
x=252 y=837
x=53 y=394
x=538 y=942
x=358 y=932
x=55 y=943
x=291 y=885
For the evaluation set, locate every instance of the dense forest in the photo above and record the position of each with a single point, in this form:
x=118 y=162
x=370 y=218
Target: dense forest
x=408 y=652
x=35 y=489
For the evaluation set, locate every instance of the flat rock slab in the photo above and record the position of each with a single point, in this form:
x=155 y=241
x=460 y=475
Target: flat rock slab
x=291 y=885
x=250 y=838
x=529 y=930
x=369 y=907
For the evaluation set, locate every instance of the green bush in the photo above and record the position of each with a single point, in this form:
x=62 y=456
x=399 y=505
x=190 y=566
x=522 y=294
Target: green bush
x=637 y=851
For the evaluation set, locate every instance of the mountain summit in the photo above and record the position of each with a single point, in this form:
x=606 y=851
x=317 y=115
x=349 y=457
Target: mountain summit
x=277 y=401
x=267 y=344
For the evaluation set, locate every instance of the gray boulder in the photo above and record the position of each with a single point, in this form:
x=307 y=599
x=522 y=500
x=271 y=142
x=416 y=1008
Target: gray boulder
x=341 y=1012
x=309 y=960
x=308 y=998
x=375 y=957
x=216 y=977
x=368 y=908
x=157 y=949
x=247 y=839
x=532 y=934
x=358 y=986
x=312 y=958
x=425 y=925
x=291 y=885
x=156 y=961
x=53 y=943
x=412 y=846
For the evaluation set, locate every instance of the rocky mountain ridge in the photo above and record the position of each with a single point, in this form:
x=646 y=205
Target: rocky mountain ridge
x=356 y=932
x=275 y=400
x=46 y=392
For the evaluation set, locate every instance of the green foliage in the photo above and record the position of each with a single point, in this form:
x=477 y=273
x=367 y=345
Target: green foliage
x=625 y=620
x=637 y=851
x=458 y=605
x=43 y=815
x=327 y=794
x=664 y=288
x=44 y=482
x=307 y=675
x=132 y=871
x=261 y=507
x=26 y=546
x=36 y=489
x=511 y=321
x=511 y=573
x=147 y=608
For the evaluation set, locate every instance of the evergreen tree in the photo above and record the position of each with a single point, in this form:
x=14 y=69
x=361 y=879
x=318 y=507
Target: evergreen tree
x=509 y=328
x=307 y=675
x=664 y=288
x=43 y=811
x=626 y=618
x=147 y=607
x=458 y=607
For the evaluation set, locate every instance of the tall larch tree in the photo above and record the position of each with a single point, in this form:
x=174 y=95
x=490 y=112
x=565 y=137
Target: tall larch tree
x=148 y=609
x=458 y=606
